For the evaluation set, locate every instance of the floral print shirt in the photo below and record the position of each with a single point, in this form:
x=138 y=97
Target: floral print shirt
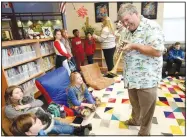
x=142 y=71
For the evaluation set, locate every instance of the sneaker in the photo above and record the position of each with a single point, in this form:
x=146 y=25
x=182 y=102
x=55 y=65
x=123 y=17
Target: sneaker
x=81 y=131
x=89 y=126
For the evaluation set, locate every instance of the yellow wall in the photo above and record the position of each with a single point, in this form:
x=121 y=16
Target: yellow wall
x=75 y=22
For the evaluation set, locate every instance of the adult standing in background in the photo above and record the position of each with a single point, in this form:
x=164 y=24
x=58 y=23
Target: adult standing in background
x=107 y=39
x=143 y=65
x=67 y=45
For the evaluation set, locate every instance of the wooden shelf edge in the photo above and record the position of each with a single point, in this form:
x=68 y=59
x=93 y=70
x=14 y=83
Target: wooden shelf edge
x=97 y=58
x=47 y=39
x=33 y=76
x=37 y=94
x=47 y=54
x=50 y=68
x=22 y=62
x=94 y=58
x=21 y=42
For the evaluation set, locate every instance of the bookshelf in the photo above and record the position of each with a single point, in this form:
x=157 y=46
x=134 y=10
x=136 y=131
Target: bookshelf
x=25 y=60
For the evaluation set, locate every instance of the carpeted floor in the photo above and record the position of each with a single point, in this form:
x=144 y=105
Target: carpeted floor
x=169 y=116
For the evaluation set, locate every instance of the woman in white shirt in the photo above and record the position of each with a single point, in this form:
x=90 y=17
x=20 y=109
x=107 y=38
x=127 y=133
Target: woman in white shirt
x=107 y=39
x=61 y=53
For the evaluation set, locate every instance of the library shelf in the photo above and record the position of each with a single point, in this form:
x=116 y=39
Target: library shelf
x=38 y=60
x=48 y=54
x=31 y=77
x=50 y=68
x=19 y=63
x=22 y=42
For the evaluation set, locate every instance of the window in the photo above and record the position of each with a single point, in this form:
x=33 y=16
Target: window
x=174 y=22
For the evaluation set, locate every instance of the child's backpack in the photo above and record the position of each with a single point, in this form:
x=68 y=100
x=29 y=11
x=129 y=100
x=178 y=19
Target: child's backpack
x=56 y=110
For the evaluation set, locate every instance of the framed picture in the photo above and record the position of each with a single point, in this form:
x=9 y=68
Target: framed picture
x=149 y=10
x=119 y=4
x=101 y=10
x=47 y=32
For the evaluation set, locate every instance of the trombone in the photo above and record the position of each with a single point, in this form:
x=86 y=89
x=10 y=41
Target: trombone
x=117 y=56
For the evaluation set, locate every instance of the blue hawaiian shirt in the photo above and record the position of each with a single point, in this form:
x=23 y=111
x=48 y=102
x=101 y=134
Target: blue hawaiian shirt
x=142 y=71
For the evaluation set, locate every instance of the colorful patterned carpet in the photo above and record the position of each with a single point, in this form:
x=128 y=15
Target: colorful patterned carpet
x=169 y=116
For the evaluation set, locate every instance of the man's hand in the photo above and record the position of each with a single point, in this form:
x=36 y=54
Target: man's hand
x=127 y=46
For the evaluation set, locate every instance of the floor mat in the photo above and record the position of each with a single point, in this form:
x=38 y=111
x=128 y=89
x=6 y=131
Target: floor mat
x=169 y=116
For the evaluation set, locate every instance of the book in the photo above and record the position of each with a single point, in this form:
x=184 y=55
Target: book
x=77 y=121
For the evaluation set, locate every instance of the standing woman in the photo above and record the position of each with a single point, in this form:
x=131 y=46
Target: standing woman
x=67 y=45
x=107 y=40
x=61 y=53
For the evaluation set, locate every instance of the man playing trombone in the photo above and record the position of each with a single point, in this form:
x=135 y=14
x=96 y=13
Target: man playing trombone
x=143 y=65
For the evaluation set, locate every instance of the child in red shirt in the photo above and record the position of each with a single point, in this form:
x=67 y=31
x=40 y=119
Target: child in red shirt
x=77 y=49
x=89 y=47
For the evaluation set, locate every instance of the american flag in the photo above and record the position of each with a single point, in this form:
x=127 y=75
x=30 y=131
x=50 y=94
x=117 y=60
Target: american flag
x=7 y=5
x=62 y=7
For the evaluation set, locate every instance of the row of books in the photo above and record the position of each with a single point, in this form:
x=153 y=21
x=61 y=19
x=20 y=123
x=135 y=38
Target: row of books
x=11 y=56
x=29 y=87
x=19 y=73
x=46 y=48
x=48 y=62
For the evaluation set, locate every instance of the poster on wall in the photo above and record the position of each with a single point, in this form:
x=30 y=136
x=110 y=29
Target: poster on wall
x=47 y=32
x=119 y=4
x=101 y=10
x=149 y=10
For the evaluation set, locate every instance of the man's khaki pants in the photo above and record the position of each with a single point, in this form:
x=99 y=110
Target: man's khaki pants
x=143 y=103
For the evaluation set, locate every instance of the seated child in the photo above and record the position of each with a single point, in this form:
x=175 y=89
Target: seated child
x=89 y=47
x=29 y=124
x=175 y=55
x=15 y=104
x=14 y=108
x=79 y=98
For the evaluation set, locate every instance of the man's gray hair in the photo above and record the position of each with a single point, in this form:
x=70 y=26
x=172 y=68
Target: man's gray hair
x=126 y=9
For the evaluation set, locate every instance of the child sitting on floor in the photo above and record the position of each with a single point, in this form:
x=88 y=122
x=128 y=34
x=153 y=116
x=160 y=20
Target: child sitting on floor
x=29 y=124
x=89 y=47
x=79 y=98
x=17 y=104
